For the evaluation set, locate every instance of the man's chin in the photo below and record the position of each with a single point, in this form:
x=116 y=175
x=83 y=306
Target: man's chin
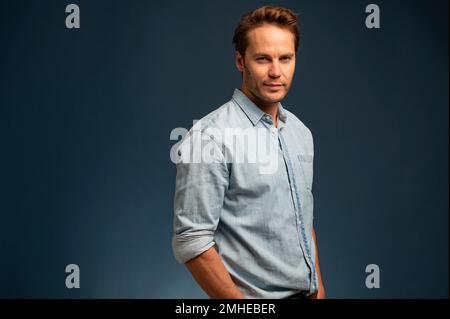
x=274 y=97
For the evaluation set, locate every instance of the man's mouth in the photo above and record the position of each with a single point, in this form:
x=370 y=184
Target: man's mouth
x=273 y=86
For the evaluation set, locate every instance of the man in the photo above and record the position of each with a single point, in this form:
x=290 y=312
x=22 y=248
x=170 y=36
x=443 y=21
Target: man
x=243 y=233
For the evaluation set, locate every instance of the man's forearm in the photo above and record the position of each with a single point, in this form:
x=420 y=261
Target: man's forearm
x=211 y=274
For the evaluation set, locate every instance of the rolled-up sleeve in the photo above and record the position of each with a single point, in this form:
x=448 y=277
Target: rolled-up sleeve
x=201 y=182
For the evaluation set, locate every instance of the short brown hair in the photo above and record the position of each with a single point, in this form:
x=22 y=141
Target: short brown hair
x=278 y=16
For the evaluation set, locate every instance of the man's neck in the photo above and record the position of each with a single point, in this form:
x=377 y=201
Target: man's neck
x=269 y=108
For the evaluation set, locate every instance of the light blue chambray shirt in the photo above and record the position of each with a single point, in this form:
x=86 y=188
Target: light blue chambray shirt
x=260 y=224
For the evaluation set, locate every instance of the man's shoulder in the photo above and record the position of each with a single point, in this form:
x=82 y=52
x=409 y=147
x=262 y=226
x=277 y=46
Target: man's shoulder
x=212 y=124
x=221 y=117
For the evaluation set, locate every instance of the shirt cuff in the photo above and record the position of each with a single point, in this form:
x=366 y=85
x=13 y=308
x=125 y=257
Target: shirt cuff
x=186 y=247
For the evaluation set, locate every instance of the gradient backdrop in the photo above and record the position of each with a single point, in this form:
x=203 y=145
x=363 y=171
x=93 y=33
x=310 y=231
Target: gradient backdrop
x=85 y=119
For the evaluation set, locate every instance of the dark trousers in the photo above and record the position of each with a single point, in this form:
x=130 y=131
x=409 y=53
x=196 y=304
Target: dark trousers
x=299 y=295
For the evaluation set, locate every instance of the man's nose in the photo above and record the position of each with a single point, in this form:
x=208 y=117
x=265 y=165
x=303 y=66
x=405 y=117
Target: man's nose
x=274 y=70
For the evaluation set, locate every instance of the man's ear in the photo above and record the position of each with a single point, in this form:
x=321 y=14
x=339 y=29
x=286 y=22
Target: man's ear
x=239 y=60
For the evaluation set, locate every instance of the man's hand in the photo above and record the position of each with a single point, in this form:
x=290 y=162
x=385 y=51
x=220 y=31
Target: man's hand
x=320 y=294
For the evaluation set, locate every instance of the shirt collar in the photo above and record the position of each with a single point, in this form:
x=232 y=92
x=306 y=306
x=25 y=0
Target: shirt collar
x=254 y=113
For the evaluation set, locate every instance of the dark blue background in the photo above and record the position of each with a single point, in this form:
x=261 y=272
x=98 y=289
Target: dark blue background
x=86 y=116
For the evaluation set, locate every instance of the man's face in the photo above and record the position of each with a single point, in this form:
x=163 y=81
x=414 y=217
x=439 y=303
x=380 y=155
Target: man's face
x=269 y=64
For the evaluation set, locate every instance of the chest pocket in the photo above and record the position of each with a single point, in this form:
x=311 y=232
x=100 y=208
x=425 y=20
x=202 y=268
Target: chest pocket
x=305 y=164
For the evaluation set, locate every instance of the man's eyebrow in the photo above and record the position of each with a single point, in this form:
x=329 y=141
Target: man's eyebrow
x=261 y=54
x=290 y=55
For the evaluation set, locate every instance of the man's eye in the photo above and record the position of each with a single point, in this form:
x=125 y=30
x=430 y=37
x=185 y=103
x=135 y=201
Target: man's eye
x=285 y=59
x=261 y=58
